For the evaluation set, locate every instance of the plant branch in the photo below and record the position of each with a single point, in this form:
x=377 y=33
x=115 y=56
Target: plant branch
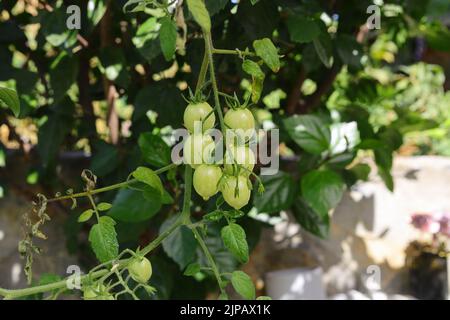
x=212 y=74
x=109 y=188
x=210 y=258
x=236 y=52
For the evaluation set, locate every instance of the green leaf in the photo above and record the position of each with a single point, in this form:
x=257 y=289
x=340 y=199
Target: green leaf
x=180 y=245
x=168 y=37
x=302 y=29
x=317 y=223
x=105 y=158
x=215 y=215
x=215 y=6
x=361 y=171
x=192 y=269
x=309 y=132
x=149 y=177
x=10 y=99
x=267 y=51
x=53 y=131
x=95 y=11
x=86 y=215
x=131 y=206
x=200 y=13
x=63 y=74
x=253 y=2
x=243 y=285
x=324 y=49
x=114 y=64
x=234 y=238
x=166 y=198
x=264 y=298
x=145 y=39
x=154 y=150
x=349 y=50
x=278 y=195
x=104 y=206
x=253 y=69
x=103 y=239
x=322 y=189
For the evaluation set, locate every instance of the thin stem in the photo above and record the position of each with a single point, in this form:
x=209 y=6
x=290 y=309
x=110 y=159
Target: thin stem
x=235 y=52
x=151 y=246
x=10 y=294
x=203 y=71
x=210 y=258
x=94 y=206
x=185 y=213
x=212 y=74
x=111 y=187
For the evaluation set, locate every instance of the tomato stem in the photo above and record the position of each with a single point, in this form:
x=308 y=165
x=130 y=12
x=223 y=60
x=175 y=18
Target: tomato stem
x=109 y=188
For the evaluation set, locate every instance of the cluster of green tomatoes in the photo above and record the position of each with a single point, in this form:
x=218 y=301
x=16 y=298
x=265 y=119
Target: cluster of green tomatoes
x=229 y=175
x=140 y=270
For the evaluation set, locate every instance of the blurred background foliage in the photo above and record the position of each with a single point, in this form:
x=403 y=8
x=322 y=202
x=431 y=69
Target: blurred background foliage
x=109 y=95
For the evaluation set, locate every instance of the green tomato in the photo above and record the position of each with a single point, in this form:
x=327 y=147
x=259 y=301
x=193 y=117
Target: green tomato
x=229 y=188
x=198 y=113
x=198 y=149
x=140 y=269
x=97 y=292
x=239 y=119
x=206 y=179
x=240 y=155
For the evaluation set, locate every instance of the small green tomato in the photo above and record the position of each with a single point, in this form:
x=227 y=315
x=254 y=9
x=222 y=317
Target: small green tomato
x=229 y=188
x=206 y=179
x=196 y=113
x=198 y=149
x=140 y=269
x=240 y=155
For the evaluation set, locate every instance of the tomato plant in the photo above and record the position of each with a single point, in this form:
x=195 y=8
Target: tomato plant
x=343 y=96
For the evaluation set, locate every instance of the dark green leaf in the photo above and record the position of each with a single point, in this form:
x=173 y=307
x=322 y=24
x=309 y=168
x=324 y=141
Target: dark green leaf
x=192 y=269
x=315 y=222
x=324 y=49
x=168 y=37
x=214 y=6
x=309 y=132
x=154 y=150
x=302 y=29
x=180 y=245
x=279 y=193
x=10 y=99
x=105 y=158
x=63 y=74
x=132 y=206
x=322 y=190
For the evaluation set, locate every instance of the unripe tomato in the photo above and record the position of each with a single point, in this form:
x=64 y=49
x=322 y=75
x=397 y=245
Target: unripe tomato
x=239 y=119
x=140 y=269
x=198 y=149
x=97 y=292
x=197 y=113
x=240 y=155
x=206 y=178
x=228 y=191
